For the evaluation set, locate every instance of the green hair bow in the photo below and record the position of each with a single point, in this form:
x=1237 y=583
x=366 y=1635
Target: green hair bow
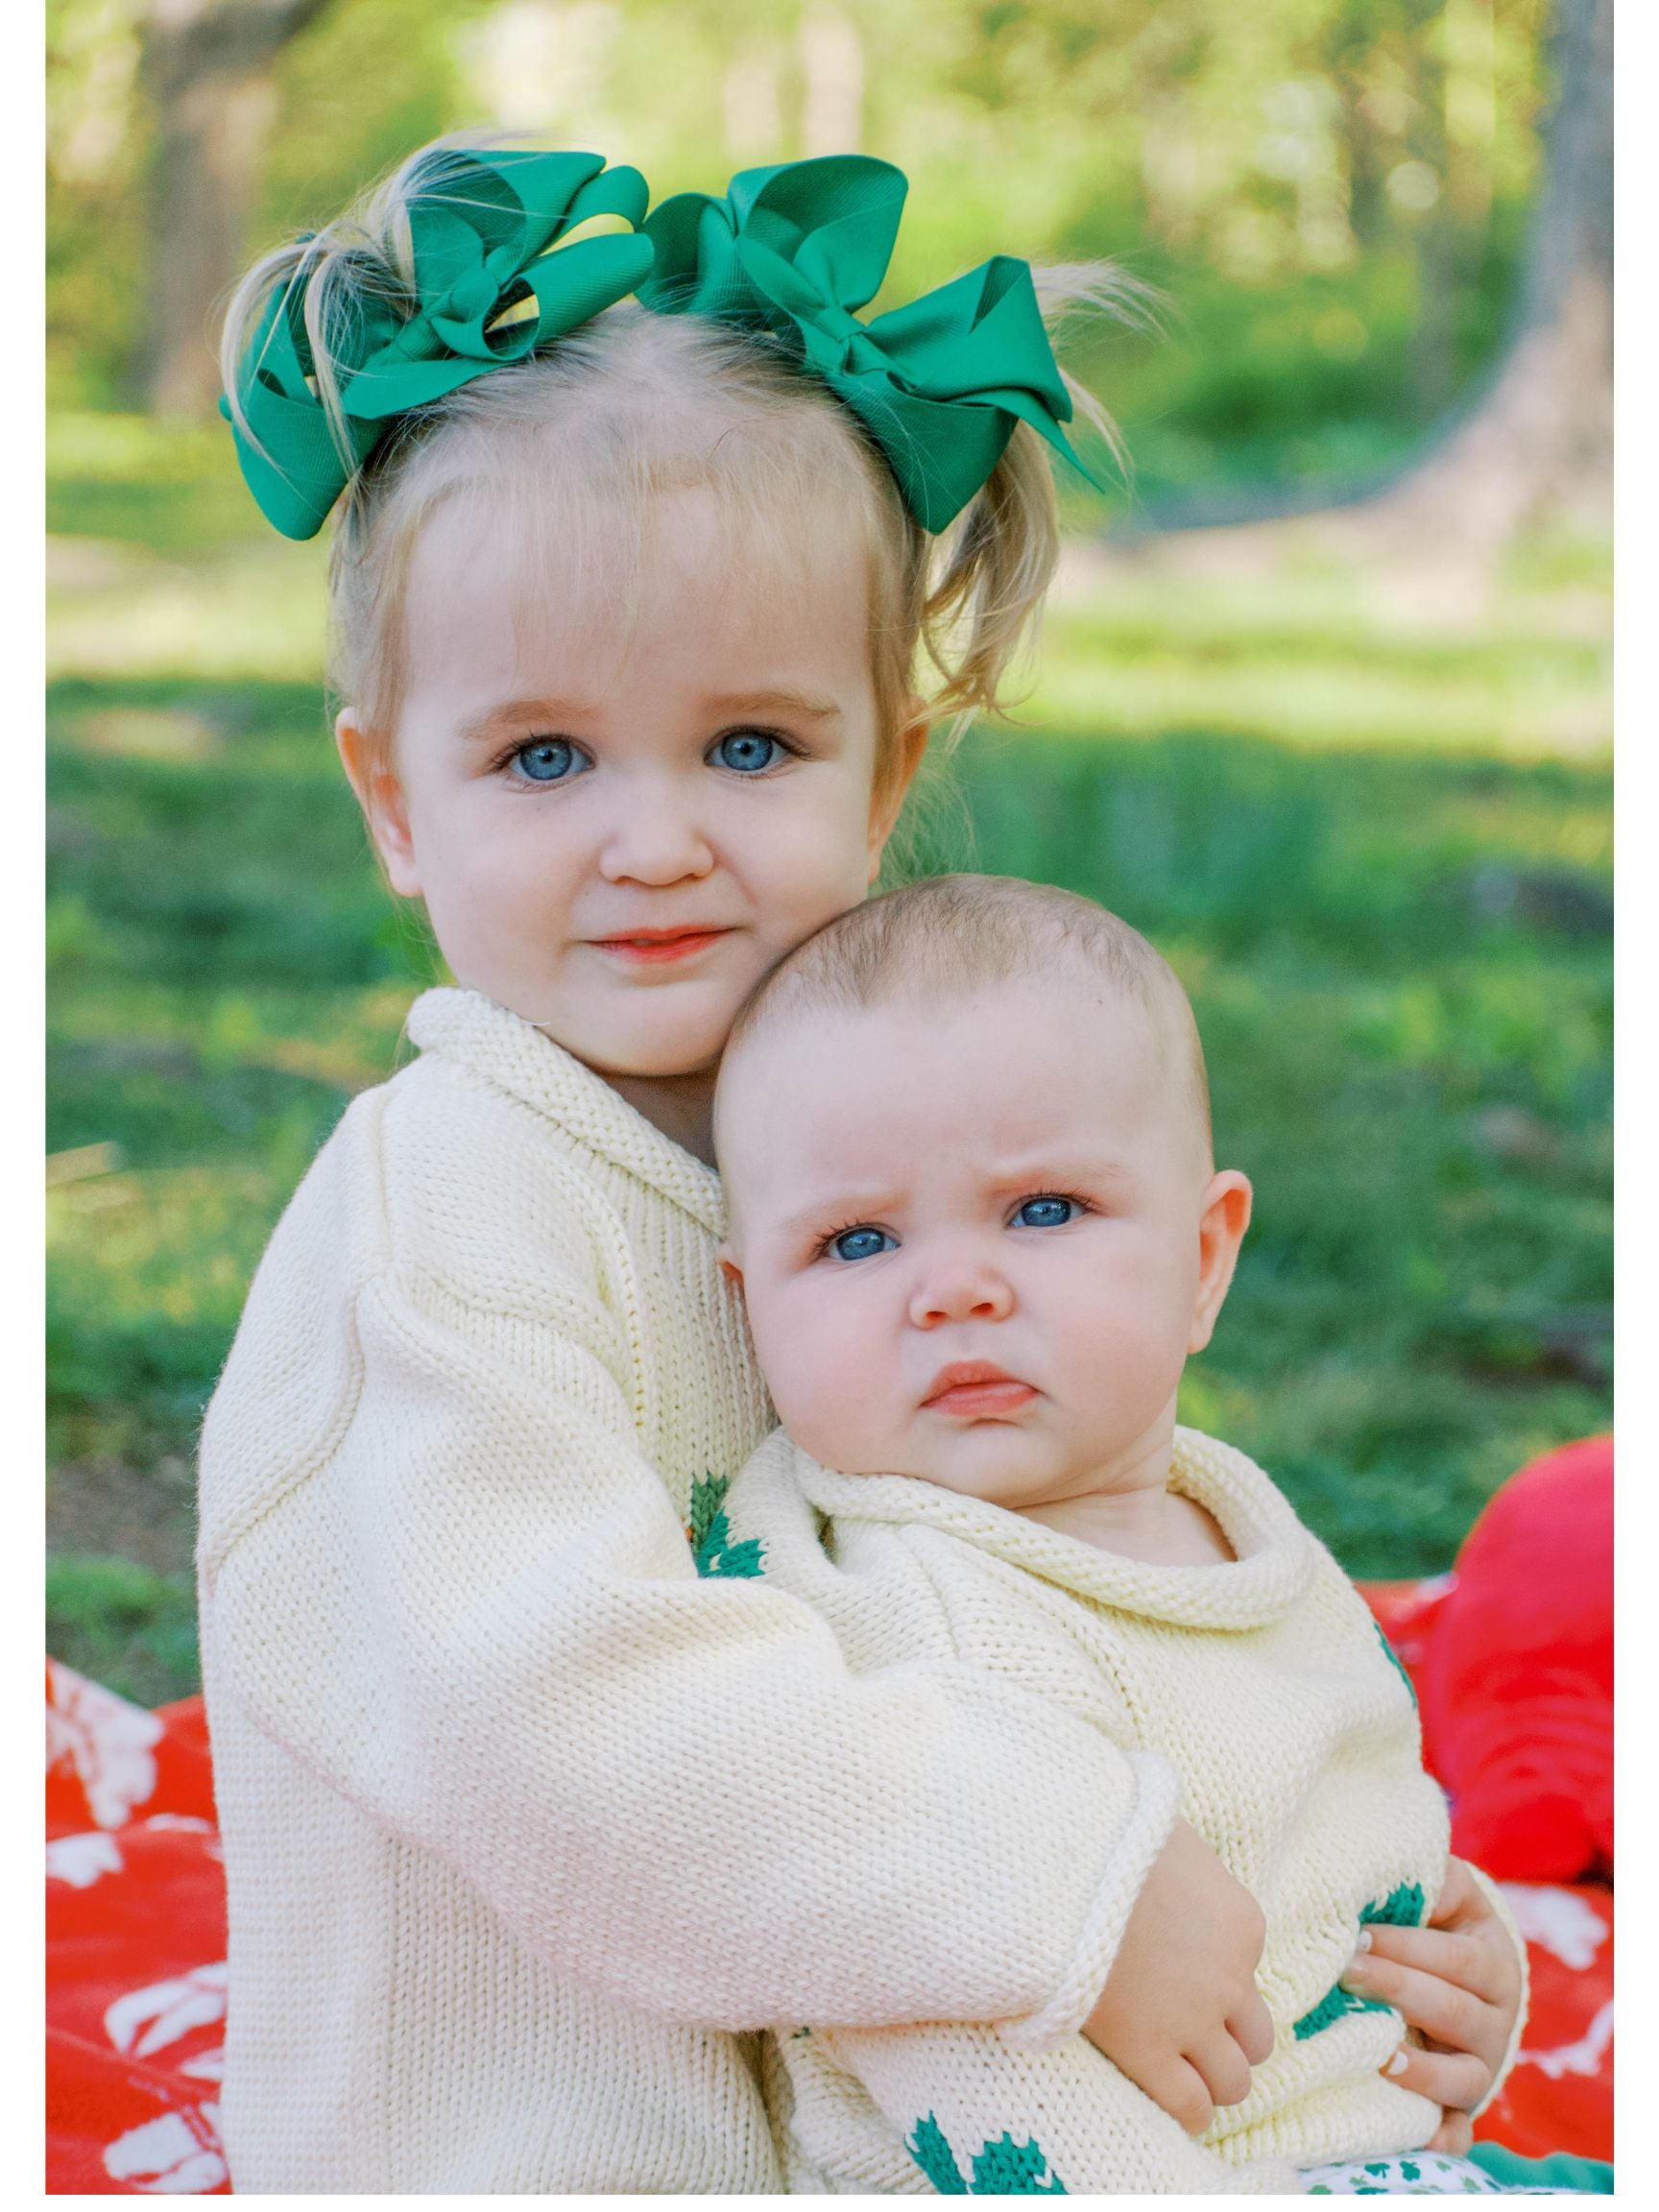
x=481 y=225
x=798 y=248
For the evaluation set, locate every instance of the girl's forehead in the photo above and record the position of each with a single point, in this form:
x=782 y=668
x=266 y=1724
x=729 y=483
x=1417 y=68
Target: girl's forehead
x=528 y=575
x=587 y=547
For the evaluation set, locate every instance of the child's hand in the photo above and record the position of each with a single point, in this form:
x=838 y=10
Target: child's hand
x=1457 y=1982
x=1180 y=2014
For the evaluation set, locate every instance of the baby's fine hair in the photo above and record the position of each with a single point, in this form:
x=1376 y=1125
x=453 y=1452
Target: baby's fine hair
x=632 y=403
x=938 y=940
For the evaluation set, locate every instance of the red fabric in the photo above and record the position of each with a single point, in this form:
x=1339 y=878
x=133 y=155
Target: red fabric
x=135 y=1896
x=1517 y=1675
x=135 y=1947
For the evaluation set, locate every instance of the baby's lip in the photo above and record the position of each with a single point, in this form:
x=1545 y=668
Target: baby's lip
x=976 y=1389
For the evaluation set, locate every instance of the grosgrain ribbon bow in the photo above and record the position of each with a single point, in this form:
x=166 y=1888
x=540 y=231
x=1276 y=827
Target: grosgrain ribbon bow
x=481 y=225
x=797 y=249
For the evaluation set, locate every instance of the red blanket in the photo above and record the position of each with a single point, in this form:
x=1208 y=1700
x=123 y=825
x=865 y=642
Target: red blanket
x=135 y=1956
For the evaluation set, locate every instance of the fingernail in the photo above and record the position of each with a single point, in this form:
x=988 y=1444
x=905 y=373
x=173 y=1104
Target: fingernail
x=1397 y=2064
x=1365 y=1942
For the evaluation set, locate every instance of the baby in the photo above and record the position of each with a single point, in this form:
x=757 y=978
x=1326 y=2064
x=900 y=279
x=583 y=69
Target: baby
x=964 y=1136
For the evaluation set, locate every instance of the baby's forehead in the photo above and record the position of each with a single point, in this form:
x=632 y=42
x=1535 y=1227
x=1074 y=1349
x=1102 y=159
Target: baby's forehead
x=1066 y=1055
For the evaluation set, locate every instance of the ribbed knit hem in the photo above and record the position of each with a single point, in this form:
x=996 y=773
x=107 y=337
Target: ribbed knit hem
x=1157 y=1806
x=1500 y=1905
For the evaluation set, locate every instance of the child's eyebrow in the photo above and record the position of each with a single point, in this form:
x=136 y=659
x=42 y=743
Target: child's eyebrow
x=539 y=713
x=764 y=702
x=1031 y=1169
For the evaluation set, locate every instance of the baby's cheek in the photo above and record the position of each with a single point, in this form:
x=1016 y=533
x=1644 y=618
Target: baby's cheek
x=825 y=1372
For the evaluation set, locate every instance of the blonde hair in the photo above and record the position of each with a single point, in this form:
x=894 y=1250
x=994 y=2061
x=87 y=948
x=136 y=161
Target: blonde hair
x=634 y=402
x=938 y=940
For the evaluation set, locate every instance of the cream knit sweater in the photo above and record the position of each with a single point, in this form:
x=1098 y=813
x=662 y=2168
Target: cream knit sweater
x=527 y=1827
x=1296 y=1739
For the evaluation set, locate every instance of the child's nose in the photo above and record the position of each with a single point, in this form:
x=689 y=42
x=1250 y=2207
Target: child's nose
x=963 y=1290
x=655 y=839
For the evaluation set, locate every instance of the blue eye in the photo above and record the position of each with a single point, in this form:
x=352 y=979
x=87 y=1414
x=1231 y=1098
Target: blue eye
x=1046 y=1213
x=862 y=1243
x=547 y=759
x=746 y=752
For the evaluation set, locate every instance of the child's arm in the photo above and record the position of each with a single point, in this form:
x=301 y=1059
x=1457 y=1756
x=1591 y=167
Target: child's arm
x=1181 y=2015
x=462 y=1598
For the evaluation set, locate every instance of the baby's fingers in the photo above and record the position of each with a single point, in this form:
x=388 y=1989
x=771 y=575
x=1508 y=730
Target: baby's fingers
x=1453 y=2136
x=1467 y=1960
x=1435 y=2007
x=1251 y=2028
x=1448 y=2078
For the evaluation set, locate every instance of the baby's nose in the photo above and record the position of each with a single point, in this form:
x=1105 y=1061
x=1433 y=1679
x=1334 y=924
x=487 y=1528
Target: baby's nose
x=961 y=1293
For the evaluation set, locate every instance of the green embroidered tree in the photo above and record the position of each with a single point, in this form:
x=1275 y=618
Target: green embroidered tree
x=932 y=2154
x=1002 y=2169
x=1009 y=2169
x=709 y=1533
x=1402 y=1907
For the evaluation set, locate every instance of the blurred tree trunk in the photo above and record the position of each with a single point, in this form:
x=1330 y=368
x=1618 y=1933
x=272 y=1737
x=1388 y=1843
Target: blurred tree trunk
x=206 y=71
x=1538 y=435
x=1535 y=435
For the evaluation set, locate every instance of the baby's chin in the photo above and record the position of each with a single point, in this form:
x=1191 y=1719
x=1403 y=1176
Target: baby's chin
x=994 y=1469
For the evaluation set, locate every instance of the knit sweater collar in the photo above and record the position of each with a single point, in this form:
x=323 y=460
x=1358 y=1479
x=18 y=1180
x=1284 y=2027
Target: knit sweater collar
x=1276 y=1555
x=502 y=1049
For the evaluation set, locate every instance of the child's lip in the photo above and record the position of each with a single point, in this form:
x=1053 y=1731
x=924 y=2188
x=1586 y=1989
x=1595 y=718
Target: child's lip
x=973 y=1389
x=651 y=948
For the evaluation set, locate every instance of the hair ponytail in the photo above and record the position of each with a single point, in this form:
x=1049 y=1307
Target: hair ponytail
x=984 y=591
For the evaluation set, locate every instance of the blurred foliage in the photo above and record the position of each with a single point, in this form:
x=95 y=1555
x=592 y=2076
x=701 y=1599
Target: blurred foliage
x=1330 y=194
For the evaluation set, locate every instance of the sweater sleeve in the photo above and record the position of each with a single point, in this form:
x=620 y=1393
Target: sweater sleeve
x=465 y=1601
x=1499 y=1905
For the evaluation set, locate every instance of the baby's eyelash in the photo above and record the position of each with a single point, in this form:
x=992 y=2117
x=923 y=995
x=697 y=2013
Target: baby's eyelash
x=1069 y=1197
x=820 y=1246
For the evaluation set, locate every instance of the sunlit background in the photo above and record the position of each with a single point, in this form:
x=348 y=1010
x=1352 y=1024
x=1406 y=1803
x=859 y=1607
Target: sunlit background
x=1322 y=707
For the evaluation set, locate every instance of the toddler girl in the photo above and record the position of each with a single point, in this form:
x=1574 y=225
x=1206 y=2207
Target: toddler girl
x=966 y=1138
x=532 y=1816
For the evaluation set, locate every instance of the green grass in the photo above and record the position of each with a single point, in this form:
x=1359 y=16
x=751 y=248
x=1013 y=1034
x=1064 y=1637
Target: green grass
x=1375 y=842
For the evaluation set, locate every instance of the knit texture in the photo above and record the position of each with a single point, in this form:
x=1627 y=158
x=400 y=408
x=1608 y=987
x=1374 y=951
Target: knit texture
x=527 y=1823
x=1295 y=1740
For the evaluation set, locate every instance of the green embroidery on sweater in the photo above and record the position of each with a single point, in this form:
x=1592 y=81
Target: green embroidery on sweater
x=1336 y=2005
x=1002 y=2169
x=1402 y=1907
x=1396 y=1662
x=932 y=2154
x=709 y=1534
x=1009 y=2169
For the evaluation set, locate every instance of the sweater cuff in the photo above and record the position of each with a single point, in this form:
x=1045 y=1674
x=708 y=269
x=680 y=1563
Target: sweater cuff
x=1153 y=1815
x=1499 y=1904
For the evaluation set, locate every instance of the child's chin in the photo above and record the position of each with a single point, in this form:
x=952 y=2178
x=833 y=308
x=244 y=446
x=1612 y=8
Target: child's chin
x=655 y=1051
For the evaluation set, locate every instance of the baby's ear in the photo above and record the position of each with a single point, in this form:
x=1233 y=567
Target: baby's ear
x=1221 y=1227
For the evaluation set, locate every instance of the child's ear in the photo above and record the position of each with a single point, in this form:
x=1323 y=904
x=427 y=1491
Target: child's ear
x=1221 y=1227
x=888 y=797
x=380 y=796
